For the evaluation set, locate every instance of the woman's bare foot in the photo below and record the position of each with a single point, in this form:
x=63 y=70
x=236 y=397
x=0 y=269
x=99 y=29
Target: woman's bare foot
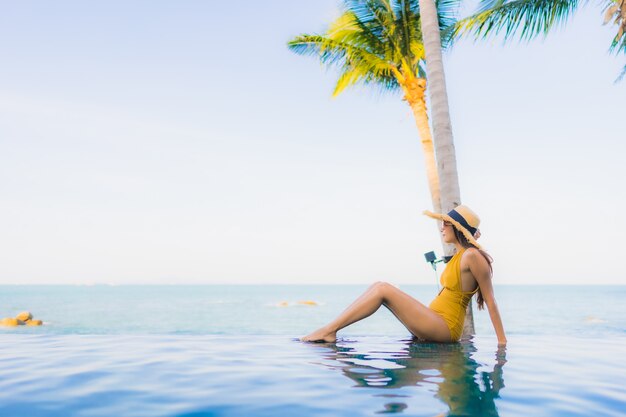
x=321 y=335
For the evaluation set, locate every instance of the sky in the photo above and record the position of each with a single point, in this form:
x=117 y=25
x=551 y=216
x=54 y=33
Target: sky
x=159 y=142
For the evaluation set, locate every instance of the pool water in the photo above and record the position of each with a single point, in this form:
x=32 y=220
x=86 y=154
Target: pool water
x=141 y=351
x=114 y=375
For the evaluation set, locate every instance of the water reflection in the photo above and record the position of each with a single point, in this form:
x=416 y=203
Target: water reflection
x=447 y=371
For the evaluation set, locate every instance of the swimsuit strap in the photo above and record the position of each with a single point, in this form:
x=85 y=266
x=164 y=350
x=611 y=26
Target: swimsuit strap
x=460 y=283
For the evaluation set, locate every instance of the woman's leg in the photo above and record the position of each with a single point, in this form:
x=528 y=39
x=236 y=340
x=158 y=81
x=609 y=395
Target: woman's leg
x=362 y=307
x=416 y=317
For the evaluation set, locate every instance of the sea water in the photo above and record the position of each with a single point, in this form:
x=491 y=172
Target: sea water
x=230 y=351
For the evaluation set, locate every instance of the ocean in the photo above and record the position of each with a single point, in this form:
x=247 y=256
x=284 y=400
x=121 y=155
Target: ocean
x=229 y=350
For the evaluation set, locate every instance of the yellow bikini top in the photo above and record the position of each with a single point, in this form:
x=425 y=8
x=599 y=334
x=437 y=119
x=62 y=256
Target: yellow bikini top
x=451 y=275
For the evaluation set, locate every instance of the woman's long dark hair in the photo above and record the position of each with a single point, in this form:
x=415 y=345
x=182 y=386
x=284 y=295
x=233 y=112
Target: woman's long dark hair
x=466 y=244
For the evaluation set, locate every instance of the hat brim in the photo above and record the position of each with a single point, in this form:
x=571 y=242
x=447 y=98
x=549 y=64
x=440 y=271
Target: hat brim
x=457 y=225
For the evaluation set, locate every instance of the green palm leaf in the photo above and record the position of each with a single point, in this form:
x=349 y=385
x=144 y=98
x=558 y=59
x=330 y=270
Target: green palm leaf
x=621 y=76
x=528 y=18
x=357 y=63
x=374 y=42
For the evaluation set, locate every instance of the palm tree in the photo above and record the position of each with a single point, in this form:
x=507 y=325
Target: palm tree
x=531 y=18
x=442 y=126
x=380 y=42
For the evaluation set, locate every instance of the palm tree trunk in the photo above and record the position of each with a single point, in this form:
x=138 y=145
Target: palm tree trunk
x=414 y=90
x=442 y=127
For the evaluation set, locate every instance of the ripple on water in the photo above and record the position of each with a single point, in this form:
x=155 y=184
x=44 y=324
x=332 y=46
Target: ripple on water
x=73 y=375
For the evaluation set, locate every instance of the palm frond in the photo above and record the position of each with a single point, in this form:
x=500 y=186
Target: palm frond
x=448 y=36
x=378 y=15
x=417 y=51
x=406 y=12
x=357 y=64
x=347 y=79
x=421 y=70
x=330 y=51
x=349 y=29
x=373 y=42
x=360 y=74
x=615 y=12
x=621 y=76
x=528 y=18
x=448 y=12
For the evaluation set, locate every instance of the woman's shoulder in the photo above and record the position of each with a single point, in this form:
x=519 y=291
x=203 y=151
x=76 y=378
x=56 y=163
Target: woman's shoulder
x=471 y=252
x=473 y=256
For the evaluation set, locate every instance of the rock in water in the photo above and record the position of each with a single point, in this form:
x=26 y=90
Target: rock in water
x=9 y=321
x=24 y=316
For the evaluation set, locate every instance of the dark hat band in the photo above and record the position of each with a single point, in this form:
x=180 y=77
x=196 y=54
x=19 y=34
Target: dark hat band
x=456 y=216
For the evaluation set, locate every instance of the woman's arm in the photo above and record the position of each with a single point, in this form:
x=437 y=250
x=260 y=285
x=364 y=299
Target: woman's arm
x=496 y=320
x=480 y=269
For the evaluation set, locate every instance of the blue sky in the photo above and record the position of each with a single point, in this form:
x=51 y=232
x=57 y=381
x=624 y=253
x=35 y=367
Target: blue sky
x=162 y=142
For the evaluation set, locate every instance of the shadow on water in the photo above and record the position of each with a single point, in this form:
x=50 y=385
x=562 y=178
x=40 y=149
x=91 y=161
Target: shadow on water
x=448 y=371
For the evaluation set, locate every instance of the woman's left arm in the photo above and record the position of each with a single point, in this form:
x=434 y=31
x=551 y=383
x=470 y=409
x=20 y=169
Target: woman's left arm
x=480 y=269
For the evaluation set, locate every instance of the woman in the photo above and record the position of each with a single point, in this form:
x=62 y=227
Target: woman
x=467 y=273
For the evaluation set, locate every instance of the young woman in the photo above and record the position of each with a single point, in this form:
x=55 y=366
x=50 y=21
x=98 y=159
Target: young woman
x=467 y=273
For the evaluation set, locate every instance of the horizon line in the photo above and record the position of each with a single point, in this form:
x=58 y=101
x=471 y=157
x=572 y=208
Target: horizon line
x=107 y=284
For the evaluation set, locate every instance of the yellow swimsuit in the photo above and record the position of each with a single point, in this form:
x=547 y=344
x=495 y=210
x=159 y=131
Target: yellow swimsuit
x=451 y=302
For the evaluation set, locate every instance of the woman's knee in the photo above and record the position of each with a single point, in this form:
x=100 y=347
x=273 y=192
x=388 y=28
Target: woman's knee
x=376 y=284
x=382 y=287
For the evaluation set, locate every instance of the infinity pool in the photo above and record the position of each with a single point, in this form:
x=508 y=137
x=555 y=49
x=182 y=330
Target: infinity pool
x=116 y=375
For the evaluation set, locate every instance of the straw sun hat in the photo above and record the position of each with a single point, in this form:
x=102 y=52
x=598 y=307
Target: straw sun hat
x=463 y=219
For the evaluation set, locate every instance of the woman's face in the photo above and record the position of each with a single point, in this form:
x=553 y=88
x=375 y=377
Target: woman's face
x=447 y=232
